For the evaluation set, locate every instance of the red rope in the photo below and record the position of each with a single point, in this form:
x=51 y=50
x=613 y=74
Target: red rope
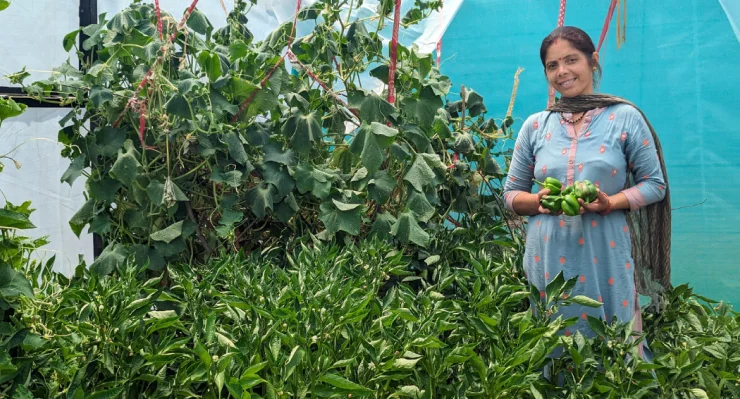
x=249 y=100
x=607 y=22
x=439 y=43
x=313 y=76
x=561 y=22
x=157 y=61
x=159 y=19
x=394 y=54
x=295 y=20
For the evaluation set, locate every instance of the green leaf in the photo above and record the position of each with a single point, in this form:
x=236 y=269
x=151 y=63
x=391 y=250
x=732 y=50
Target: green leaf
x=169 y=233
x=419 y=174
x=316 y=181
x=535 y=392
x=13 y=283
x=4 y=4
x=698 y=393
x=14 y=220
x=104 y=189
x=178 y=105
x=585 y=301
x=69 y=40
x=109 y=140
x=260 y=198
x=302 y=130
x=343 y=383
x=199 y=23
x=211 y=64
x=338 y=216
x=279 y=176
x=202 y=353
x=372 y=108
x=82 y=217
x=108 y=394
x=99 y=96
x=423 y=109
x=418 y=204
x=407 y=229
x=274 y=153
x=381 y=186
x=370 y=142
x=75 y=170
x=236 y=148
x=127 y=165
x=10 y=109
x=416 y=136
x=296 y=355
x=112 y=256
x=383 y=225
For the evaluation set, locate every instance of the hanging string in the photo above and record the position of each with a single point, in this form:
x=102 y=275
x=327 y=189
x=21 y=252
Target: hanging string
x=133 y=100
x=561 y=22
x=439 y=42
x=264 y=80
x=607 y=22
x=159 y=19
x=621 y=23
x=394 y=54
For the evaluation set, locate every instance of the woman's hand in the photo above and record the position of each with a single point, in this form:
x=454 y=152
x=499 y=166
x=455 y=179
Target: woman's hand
x=600 y=205
x=542 y=194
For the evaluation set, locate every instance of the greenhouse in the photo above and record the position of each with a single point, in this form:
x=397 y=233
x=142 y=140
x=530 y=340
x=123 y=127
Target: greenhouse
x=369 y=199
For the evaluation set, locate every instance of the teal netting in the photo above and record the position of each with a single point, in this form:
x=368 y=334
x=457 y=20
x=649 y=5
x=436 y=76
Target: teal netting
x=677 y=65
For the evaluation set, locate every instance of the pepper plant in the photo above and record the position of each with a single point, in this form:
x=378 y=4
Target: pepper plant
x=209 y=142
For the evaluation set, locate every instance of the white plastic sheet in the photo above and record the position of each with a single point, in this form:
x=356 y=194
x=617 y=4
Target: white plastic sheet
x=732 y=9
x=33 y=32
x=38 y=180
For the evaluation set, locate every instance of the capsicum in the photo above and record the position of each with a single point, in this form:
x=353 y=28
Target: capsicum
x=551 y=184
x=570 y=205
x=586 y=191
x=553 y=203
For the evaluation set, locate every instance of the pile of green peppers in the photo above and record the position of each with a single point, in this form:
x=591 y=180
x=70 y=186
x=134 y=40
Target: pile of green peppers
x=566 y=200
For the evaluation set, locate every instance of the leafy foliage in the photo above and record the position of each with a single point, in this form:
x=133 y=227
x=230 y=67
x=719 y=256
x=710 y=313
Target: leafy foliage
x=205 y=158
x=325 y=321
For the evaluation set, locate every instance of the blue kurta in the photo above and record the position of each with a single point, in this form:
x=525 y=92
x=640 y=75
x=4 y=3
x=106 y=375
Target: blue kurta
x=612 y=142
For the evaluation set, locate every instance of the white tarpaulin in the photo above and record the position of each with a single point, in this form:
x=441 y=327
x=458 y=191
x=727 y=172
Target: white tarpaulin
x=732 y=9
x=34 y=133
x=33 y=31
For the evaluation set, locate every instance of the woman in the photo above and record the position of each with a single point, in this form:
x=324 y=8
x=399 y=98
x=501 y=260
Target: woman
x=608 y=141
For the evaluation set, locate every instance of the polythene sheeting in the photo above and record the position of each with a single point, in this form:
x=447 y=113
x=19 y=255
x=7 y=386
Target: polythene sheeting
x=35 y=132
x=33 y=31
x=267 y=15
x=679 y=64
x=732 y=9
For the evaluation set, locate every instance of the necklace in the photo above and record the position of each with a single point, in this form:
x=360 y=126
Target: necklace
x=572 y=122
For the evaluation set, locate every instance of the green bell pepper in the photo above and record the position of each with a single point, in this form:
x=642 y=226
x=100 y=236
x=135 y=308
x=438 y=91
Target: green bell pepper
x=570 y=205
x=553 y=203
x=552 y=184
x=586 y=191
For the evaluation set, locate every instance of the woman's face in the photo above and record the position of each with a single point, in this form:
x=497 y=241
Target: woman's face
x=568 y=70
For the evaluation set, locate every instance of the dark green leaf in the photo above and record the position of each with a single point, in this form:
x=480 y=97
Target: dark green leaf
x=169 y=233
x=370 y=142
x=109 y=140
x=127 y=165
x=14 y=220
x=236 y=148
x=303 y=130
x=339 y=216
x=372 y=107
x=260 y=198
x=381 y=186
x=423 y=109
x=278 y=176
x=13 y=283
x=100 y=95
x=199 y=23
x=112 y=256
x=407 y=230
x=82 y=217
x=343 y=383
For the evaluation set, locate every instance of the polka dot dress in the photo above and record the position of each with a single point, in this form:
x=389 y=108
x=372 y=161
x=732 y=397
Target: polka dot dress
x=596 y=249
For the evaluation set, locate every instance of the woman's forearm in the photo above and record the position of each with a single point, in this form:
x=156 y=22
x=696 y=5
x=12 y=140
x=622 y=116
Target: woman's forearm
x=525 y=204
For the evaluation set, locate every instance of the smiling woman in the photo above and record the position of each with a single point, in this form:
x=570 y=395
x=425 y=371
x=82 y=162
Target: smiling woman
x=608 y=141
